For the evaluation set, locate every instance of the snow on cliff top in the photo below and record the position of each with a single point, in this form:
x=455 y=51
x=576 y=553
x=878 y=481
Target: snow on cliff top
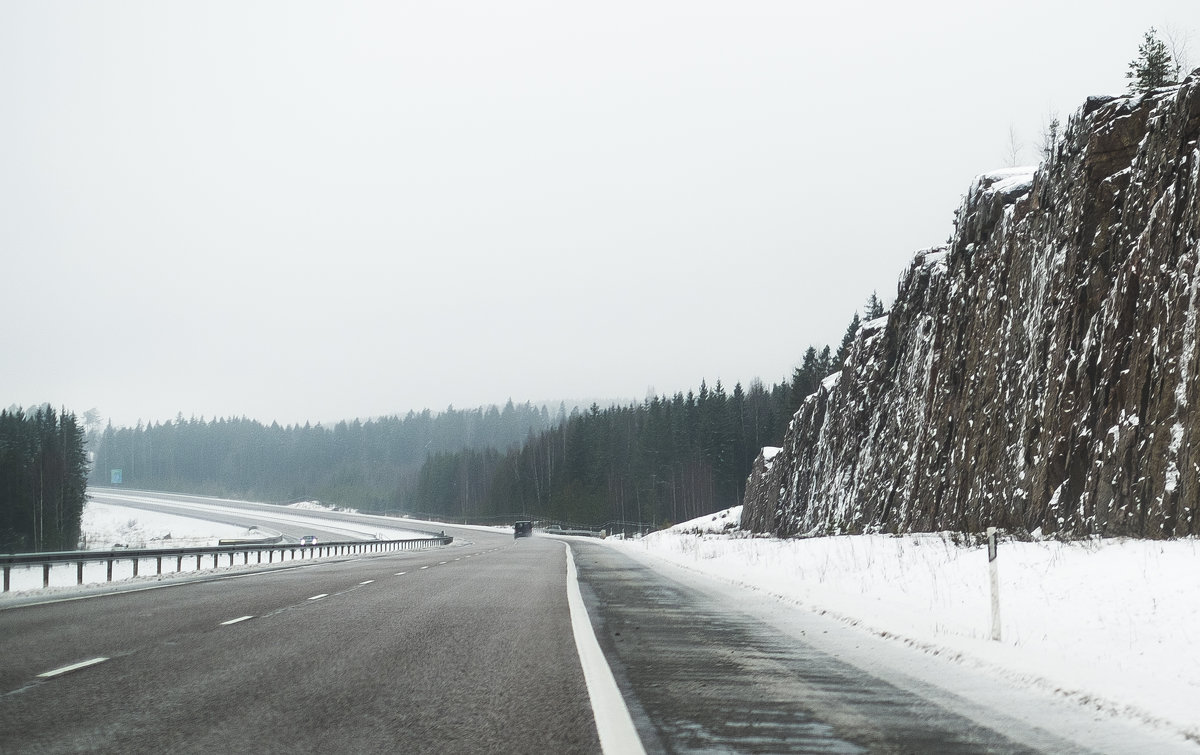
x=1007 y=181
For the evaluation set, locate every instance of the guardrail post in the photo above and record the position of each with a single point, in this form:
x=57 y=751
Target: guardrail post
x=45 y=575
x=79 y=573
x=198 y=562
x=7 y=569
x=158 y=565
x=110 y=563
x=135 y=566
x=179 y=564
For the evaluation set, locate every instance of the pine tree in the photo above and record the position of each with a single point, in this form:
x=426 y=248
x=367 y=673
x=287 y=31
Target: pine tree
x=874 y=308
x=825 y=366
x=1153 y=68
x=839 y=359
x=805 y=379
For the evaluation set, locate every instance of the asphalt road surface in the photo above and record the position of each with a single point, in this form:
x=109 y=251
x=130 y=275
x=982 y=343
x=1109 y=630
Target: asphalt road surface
x=461 y=649
x=469 y=648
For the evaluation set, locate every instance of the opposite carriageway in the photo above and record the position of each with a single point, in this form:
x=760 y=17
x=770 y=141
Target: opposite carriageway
x=136 y=556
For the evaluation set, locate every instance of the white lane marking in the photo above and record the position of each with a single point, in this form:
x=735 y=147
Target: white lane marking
x=613 y=722
x=401 y=573
x=424 y=567
x=369 y=581
x=235 y=621
x=318 y=597
x=442 y=562
x=72 y=667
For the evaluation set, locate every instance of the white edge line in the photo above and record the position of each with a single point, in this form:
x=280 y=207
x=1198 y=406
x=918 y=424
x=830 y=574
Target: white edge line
x=235 y=621
x=613 y=722
x=72 y=667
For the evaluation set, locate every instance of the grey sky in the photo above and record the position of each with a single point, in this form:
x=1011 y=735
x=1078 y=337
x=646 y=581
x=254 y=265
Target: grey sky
x=313 y=211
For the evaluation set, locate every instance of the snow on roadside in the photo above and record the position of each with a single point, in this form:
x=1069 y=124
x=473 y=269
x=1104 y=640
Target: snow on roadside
x=104 y=527
x=317 y=506
x=307 y=513
x=1111 y=623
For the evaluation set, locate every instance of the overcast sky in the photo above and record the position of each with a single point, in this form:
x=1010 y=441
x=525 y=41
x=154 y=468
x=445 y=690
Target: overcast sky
x=314 y=211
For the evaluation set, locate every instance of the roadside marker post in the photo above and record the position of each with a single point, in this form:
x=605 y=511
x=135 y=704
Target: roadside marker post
x=995 y=580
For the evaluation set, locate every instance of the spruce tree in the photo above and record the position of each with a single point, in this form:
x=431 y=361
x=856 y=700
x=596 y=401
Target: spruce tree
x=874 y=308
x=847 y=341
x=1153 y=67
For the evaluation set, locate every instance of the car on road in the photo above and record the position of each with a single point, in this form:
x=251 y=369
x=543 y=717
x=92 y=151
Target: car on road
x=522 y=529
x=308 y=540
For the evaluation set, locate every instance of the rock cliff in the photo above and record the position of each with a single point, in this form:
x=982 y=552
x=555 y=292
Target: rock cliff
x=1038 y=372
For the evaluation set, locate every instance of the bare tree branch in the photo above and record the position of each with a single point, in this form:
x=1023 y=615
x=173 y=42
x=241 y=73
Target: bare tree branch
x=1177 y=42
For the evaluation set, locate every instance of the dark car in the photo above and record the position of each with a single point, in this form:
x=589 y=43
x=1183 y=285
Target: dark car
x=522 y=529
x=308 y=540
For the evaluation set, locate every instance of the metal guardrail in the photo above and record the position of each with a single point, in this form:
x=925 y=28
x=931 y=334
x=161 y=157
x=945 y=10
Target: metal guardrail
x=217 y=553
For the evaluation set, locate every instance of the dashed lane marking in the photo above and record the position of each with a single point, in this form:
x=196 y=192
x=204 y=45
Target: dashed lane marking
x=72 y=667
x=369 y=581
x=318 y=597
x=235 y=621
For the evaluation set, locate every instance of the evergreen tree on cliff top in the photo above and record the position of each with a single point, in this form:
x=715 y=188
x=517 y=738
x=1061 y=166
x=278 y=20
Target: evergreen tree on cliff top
x=1153 y=68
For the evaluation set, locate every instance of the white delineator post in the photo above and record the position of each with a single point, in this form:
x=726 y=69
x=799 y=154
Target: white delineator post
x=995 y=579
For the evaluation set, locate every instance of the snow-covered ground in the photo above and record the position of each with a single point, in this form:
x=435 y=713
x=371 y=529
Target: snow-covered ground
x=105 y=526
x=1112 y=624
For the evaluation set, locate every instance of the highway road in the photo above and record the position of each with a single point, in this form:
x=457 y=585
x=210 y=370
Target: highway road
x=470 y=648
x=462 y=649
x=328 y=525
